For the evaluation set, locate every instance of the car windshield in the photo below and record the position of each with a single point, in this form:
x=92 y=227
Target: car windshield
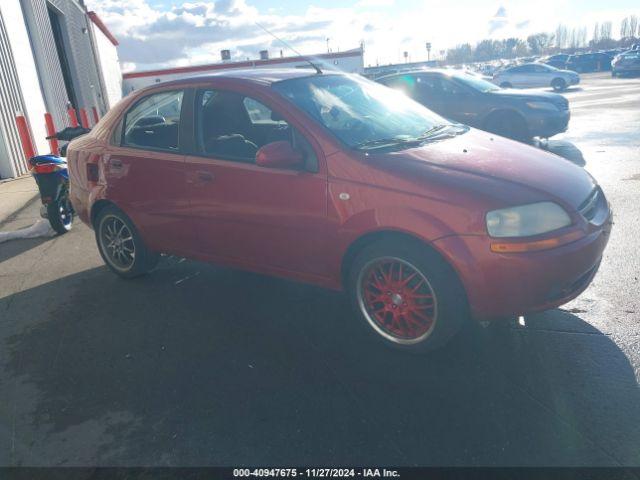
x=476 y=83
x=364 y=114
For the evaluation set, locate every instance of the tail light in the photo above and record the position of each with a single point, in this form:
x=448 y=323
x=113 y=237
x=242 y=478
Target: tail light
x=48 y=168
x=93 y=173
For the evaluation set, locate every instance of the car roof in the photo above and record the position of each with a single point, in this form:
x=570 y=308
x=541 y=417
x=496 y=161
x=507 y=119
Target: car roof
x=443 y=71
x=258 y=76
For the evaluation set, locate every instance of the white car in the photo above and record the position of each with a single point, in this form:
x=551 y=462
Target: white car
x=536 y=75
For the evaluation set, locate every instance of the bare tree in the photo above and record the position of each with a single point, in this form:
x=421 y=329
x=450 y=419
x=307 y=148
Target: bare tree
x=561 y=36
x=540 y=42
x=605 y=30
x=624 y=28
x=573 y=38
x=582 y=37
x=596 y=33
x=633 y=26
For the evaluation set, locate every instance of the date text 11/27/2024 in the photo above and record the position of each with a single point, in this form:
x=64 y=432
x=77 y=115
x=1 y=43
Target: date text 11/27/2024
x=316 y=472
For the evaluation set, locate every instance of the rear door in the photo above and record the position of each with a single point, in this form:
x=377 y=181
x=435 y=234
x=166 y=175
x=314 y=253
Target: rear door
x=261 y=218
x=145 y=172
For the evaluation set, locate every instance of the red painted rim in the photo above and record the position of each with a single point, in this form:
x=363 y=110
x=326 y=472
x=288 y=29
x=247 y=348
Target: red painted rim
x=397 y=299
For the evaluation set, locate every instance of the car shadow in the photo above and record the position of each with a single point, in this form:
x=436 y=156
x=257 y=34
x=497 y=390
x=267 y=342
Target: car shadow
x=562 y=148
x=198 y=365
x=13 y=248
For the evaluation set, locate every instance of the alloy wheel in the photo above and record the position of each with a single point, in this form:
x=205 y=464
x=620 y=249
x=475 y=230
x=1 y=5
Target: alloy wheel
x=397 y=300
x=117 y=243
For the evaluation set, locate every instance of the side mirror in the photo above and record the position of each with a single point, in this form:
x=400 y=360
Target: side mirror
x=279 y=155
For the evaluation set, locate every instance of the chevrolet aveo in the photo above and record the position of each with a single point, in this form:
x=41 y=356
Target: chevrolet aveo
x=337 y=181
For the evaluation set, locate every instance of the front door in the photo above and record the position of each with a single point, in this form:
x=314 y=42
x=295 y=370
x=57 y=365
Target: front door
x=252 y=216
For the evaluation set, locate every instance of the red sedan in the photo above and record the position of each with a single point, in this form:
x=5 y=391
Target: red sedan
x=335 y=180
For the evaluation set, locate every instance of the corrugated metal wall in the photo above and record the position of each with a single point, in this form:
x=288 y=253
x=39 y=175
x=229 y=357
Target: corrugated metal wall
x=44 y=49
x=11 y=102
x=84 y=67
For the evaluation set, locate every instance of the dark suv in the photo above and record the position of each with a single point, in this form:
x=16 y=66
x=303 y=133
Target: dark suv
x=559 y=61
x=467 y=98
x=589 y=62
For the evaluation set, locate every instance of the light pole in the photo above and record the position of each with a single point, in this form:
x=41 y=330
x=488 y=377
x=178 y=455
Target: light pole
x=428 y=51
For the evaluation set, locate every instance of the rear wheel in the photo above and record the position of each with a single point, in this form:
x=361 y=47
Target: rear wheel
x=60 y=214
x=121 y=246
x=558 y=84
x=508 y=124
x=406 y=296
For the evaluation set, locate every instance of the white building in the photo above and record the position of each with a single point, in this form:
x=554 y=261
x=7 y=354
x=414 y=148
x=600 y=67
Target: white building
x=350 y=61
x=52 y=53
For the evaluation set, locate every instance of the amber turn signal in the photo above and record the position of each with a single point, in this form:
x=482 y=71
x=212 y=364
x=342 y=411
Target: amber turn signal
x=536 y=245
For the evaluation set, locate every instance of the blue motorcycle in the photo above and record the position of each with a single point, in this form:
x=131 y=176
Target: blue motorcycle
x=52 y=177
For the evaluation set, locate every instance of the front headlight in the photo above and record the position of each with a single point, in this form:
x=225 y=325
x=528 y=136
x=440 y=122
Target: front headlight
x=527 y=220
x=542 y=106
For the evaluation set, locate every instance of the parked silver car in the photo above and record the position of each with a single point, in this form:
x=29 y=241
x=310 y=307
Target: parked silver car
x=536 y=75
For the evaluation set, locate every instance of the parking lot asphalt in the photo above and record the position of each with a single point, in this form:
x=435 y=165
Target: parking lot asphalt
x=199 y=365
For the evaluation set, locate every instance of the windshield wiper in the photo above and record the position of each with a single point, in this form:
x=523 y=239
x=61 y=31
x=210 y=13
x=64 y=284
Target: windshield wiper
x=445 y=130
x=434 y=133
x=388 y=142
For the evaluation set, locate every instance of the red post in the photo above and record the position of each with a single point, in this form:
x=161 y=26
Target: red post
x=25 y=137
x=83 y=118
x=96 y=117
x=73 y=117
x=51 y=130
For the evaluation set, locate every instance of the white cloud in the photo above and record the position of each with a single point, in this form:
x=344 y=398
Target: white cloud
x=374 y=3
x=196 y=31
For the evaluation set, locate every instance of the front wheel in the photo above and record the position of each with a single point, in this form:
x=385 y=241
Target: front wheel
x=508 y=124
x=558 y=84
x=406 y=296
x=121 y=246
x=60 y=214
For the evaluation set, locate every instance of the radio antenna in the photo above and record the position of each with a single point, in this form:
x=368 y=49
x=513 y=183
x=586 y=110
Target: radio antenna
x=304 y=57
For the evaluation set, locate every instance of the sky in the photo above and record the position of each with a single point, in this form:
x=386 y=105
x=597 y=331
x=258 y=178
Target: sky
x=169 y=33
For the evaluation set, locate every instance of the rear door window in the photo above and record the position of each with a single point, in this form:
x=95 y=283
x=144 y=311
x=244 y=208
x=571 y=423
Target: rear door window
x=154 y=122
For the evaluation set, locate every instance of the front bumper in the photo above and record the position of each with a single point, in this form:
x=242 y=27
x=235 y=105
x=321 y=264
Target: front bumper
x=502 y=285
x=626 y=69
x=548 y=124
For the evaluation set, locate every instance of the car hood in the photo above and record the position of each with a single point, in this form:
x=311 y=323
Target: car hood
x=491 y=156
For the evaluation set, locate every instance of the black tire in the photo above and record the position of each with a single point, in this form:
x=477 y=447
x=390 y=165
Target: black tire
x=506 y=85
x=448 y=302
x=127 y=257
x=508 y=124
x=558 y=84
x=613 y=74
x=60 y=215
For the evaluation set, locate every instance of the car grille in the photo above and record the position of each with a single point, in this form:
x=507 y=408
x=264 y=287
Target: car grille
x=589 y=207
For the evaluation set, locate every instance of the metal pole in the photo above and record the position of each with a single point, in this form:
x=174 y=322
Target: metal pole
x=25 y=137
x=51 y=130
x=83 y=118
